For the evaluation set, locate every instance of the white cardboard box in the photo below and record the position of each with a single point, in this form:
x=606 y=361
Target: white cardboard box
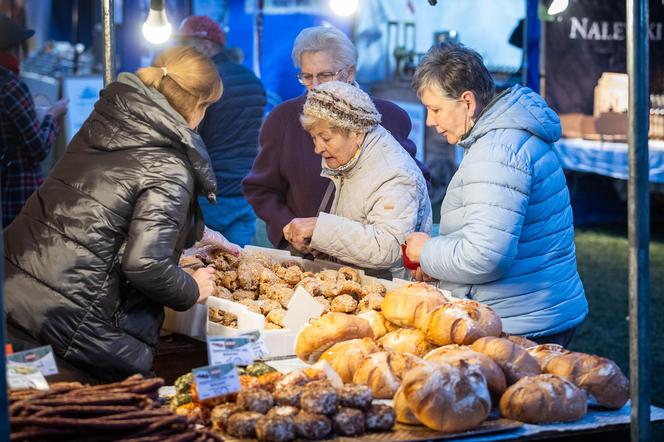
x=194 y=322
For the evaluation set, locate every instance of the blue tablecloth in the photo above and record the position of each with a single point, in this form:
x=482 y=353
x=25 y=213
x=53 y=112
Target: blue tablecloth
x=607 y=158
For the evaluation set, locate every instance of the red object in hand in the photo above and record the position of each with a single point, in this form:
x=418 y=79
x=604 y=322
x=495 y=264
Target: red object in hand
x=407 y=263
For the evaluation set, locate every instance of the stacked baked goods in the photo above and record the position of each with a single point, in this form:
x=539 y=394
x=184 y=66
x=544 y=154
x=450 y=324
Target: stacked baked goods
x=266 y=286
x=435 y=357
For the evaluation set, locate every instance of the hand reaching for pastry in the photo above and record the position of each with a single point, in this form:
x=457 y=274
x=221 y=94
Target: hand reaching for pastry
x=216 y=240
x=299 y=232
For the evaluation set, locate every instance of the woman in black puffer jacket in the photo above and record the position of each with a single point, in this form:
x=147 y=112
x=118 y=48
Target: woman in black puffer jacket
x=92 y=258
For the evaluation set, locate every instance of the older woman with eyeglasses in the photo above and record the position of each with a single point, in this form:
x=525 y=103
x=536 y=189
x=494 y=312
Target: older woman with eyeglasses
x=506 y=233
x=285 y=181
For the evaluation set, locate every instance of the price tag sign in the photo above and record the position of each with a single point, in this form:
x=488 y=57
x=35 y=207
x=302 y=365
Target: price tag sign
x=257 y=344
x=22 y=377
x=216 y=380
x=41 y=358
x=225 y=350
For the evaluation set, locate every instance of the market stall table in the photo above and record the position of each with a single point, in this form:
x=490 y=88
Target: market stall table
x=607 y=158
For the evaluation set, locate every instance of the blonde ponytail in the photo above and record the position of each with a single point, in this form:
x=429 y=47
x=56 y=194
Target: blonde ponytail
x=189 y=80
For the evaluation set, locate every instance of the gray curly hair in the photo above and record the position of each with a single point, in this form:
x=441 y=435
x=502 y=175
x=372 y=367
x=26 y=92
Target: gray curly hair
x=323 y=38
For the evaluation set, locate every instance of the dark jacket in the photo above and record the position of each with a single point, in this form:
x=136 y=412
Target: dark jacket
x=92 y=259
x=24 y=143
x=285 y=181
x=230 y=127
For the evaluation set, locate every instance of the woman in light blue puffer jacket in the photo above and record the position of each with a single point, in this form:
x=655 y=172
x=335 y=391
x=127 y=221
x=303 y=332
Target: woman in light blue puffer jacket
x=506 y=233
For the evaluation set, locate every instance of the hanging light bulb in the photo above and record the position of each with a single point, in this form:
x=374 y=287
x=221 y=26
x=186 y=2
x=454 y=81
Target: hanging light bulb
x=344 y=8
x=156 y=28
x=557 y=6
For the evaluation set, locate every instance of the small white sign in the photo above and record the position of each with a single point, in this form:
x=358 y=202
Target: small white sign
x=257 y=344
x=301 y=308
x=225 y=350
x=216 y=380
x=41 y=358
x=25 y=377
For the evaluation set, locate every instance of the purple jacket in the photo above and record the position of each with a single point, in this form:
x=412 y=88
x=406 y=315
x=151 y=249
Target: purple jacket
x=285 y=181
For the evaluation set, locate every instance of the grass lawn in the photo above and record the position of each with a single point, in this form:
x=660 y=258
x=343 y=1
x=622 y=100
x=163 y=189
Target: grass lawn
x=602 y=256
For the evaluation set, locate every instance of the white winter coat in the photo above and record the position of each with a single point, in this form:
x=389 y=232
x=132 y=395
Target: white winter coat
x=379 y=200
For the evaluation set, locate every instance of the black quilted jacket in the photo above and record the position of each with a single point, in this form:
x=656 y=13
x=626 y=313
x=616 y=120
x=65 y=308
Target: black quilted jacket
x=92 y=258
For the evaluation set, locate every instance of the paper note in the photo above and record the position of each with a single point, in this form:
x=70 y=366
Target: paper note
x=227 y=350
x=301 y=308
x=216 y=380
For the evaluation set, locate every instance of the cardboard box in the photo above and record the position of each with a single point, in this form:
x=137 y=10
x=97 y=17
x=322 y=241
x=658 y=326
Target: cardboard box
x=194 y=322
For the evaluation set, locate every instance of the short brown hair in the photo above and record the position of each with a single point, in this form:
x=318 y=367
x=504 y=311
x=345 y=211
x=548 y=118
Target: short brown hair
x=190 y=81
x=453 y=69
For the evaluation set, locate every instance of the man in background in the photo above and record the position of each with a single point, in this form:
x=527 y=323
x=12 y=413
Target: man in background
x=230 y=130
x=24 y=140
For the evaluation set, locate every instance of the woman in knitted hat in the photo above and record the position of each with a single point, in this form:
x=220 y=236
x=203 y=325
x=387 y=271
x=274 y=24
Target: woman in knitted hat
x=381 y=195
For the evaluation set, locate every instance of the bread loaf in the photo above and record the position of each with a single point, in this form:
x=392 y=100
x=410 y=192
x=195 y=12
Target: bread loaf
x=545 y=352
x=600 y=377
x=404 y=413
x=408 y=305
x=383 y=372
x=452 y=354
x=513 y=359
x=542 y=399
x=347 y=356
x=376 y=321
x=322 y=333
x=447 y=398
x=460 y=322
x=518 y=340
x=406 y=340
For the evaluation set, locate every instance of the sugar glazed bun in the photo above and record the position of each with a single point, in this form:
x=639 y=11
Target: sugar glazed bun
x=406 y=340
x=407 y=306
x=347 y=356
x=600 y=377
x=322 y=333
x=545 y=352
x=513 y=359
x=543 y=399
x=452 y=354
x=383 y=372
x=446 y=398
x=460 y=322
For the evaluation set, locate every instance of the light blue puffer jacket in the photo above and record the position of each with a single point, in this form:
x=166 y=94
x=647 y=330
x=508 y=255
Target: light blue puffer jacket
x=506 y=234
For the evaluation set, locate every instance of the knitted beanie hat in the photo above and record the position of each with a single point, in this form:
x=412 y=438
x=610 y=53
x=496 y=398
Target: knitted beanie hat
x=343 y=106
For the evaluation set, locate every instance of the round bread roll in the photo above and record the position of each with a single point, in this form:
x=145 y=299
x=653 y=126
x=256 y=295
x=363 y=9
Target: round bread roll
x=384 y=371
x=518 y=340
x=322 y=333
x=513 y=359
x=447 y=398
x=406 y=340
x=543 y=399
x=408 y=305
x=460 y=322
x=600 y=377
x=376 y=321
x=347 y=356
x=545 y=352
x=452 y=354
x=405 y=414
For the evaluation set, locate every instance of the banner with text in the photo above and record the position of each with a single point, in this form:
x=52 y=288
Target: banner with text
x=587 y=39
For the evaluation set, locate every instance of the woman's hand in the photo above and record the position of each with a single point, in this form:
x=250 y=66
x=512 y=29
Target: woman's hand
x=421 y=276
x=414 y=243
x=299 y=233
x=204 y=278
x=216 y=240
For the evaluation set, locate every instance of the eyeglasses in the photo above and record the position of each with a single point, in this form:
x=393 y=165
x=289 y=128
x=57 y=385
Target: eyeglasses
x=322 y=77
